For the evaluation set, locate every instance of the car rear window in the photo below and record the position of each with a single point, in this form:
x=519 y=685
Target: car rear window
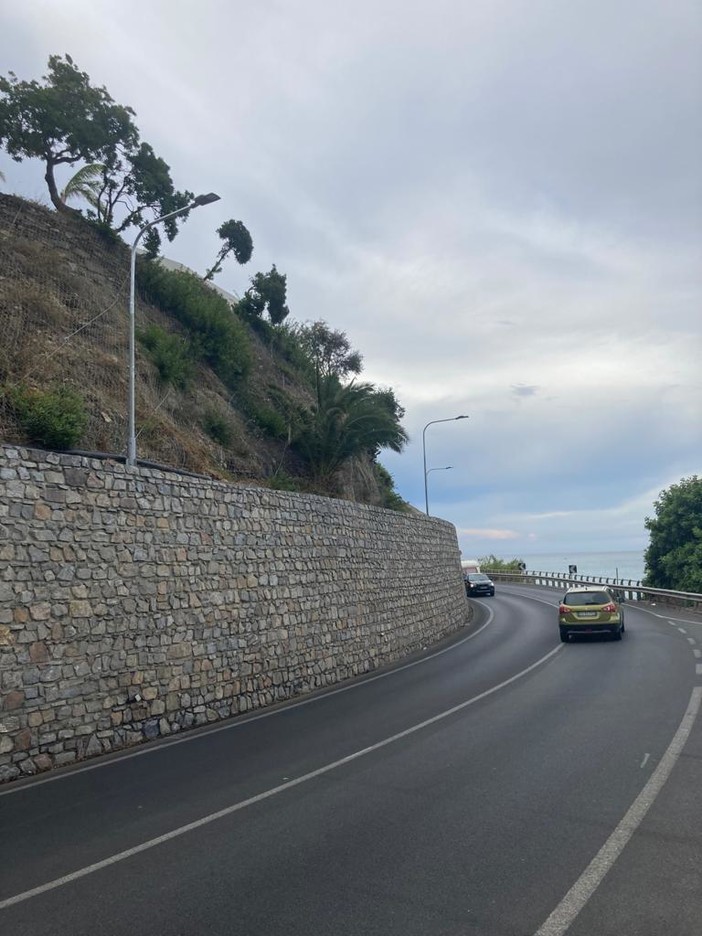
x=586 y=598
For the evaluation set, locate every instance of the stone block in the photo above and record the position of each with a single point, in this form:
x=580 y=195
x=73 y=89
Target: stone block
x=41 y=611
x=65 y=757
x=12 y=700
x=23 y=740
x=38 y=652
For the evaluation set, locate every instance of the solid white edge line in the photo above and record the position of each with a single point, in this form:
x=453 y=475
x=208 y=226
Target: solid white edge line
x=236 y=721
x=236 y=807
x=567 y=910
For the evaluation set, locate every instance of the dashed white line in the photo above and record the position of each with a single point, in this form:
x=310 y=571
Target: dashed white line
x=697 y=653
x=698 y=669
x=682 y=630
x=691 y=640
x=591 y=878
x=643 y=762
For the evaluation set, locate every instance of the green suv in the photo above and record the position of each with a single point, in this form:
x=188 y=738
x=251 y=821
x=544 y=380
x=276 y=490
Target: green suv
x=592 y=609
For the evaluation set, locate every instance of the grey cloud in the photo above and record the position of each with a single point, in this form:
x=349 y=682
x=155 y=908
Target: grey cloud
x=524 y=390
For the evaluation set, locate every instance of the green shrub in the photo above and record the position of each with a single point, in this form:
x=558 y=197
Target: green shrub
x=217 y=427
x=494 y=564
x=287 y=343
x=270 y=421
x=216 y=335
x=386 y=483
x=170 y=355
x=53 y=418
x=282 y=481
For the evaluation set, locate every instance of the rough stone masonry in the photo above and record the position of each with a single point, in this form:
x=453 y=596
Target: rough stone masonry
x=136 y=602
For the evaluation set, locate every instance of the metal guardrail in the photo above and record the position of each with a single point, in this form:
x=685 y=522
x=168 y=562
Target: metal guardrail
x=628 y=589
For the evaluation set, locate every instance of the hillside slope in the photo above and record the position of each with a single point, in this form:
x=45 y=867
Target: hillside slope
x=64 y=295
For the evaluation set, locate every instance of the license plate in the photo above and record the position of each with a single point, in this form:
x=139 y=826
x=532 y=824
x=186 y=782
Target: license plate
x=587 y=614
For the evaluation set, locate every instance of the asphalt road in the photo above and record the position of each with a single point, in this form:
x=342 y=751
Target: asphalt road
x=503 y=784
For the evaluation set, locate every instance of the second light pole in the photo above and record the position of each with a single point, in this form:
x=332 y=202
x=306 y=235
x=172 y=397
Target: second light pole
x=424 y=454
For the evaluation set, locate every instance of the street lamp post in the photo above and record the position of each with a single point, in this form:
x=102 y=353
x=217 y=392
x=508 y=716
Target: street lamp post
x=424 y=454
x=131 y=441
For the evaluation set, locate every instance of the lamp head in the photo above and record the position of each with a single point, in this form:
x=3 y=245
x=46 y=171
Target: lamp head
x=205 y=199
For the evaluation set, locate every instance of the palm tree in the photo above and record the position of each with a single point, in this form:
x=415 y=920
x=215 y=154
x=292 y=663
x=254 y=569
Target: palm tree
x=349 y=421
x=86 y=183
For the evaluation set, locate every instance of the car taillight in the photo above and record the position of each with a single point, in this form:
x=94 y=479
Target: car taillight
x=609 y=608
x=563 y=609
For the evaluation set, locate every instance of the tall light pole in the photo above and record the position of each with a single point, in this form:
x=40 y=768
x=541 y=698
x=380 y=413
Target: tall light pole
x=200 y=200
x=424 y=454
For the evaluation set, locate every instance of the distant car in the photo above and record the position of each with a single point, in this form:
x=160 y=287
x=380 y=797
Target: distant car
x=477 y=583
x=590 y=610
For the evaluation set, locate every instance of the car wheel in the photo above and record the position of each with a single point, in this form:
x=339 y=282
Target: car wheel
x=492 y=593
x=617 y=634
x=564 y=634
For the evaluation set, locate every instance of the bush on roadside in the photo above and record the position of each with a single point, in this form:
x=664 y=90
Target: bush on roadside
x=169 y=353
x=54 y=418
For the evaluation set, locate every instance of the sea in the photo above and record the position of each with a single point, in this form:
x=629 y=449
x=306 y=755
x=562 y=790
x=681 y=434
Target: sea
x=626 y=565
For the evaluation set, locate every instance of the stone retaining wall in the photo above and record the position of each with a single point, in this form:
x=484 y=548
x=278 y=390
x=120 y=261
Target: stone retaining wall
x=136 y=603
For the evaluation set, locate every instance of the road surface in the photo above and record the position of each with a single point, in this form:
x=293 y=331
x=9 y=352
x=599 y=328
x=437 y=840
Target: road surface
x=501 y=784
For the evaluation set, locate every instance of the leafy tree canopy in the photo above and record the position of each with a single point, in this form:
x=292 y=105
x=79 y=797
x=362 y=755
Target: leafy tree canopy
x=63 y=120
x=237 y=240
x=66 y=120
x=267 y=293
x=329 y=351
x=674 y=555
x=137 y=183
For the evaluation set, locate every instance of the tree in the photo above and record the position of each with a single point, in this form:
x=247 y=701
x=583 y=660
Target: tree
x=329 y=351
x=266 y=294
x=65 y=120
x=674 y=555
x=237 y=240
x=348 y=421
x=85 y=183
x=136 y=181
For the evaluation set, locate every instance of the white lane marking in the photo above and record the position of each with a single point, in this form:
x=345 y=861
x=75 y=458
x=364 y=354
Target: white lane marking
x=560 y=920
x=682 y=630
x=697 y=653
x=663 y=617
x=698 y=669
x=235 y=721
x=691 y=640
x=236 y=807
x=643 y=762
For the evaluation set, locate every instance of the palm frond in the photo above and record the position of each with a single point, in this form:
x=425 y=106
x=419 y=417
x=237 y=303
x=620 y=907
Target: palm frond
x=85 y=184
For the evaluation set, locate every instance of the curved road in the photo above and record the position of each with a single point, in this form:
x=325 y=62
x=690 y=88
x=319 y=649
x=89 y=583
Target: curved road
x=503 y=784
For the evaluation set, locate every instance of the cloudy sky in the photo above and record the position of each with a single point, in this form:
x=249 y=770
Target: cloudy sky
x=499 y=201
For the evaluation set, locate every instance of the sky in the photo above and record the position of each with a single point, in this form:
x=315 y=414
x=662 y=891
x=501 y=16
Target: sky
x=498 y=201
